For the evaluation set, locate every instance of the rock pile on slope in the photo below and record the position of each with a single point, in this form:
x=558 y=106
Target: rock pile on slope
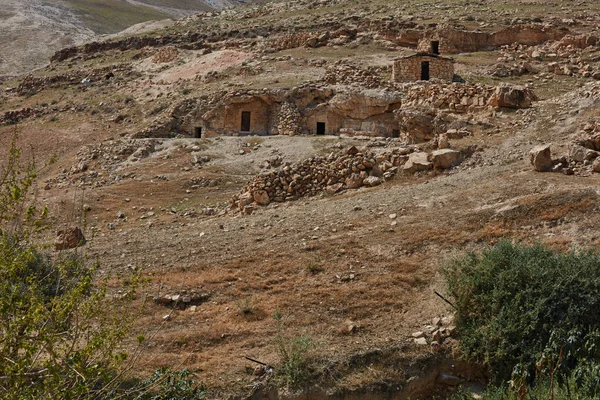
x=165 y=54
x=342 y=73
x=344 y=170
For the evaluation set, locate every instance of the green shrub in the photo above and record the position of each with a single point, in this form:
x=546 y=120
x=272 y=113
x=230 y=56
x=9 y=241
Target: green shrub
x=294 y=369
x=166 y=384
x=59 y=337
x=516 y=303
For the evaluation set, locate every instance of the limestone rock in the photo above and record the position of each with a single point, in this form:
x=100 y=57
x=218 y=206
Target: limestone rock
x=354 y=181
x=245 y=199
x=372 y=181
x=512 y=96
x=418 y=161
x=580 y=154
x=69 y=238
x=261 y=197
x=596 y=165
x=541 y=158
x=445 y=158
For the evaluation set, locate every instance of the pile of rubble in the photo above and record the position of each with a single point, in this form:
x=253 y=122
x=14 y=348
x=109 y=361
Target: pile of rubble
x=582 y=160
x=165 y=55
x=99 y=165
x=567 y=56
x=467 y=97
x=342 y=170
x=342 y=73
x=31 y=85
x=182 y=300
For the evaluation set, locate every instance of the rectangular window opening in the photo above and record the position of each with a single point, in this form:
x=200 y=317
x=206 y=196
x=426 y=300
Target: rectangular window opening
x=198 y=132
x=435 y=47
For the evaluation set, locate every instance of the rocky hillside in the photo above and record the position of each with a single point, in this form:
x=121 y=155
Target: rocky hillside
x=271 y=178
x=31 y=30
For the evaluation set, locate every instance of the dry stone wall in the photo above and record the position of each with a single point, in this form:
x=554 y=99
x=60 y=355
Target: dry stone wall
x=408 y=69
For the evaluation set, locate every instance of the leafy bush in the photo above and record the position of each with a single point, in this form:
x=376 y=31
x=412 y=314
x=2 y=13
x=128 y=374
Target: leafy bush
x=166 y=384
x=519 y=307
x=59 y=334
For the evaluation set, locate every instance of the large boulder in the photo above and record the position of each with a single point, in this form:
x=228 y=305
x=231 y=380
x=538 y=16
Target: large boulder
x=541 y=158
x=365 y=104
x=372 y=181
x=354 y=181
x=445 y=158
x=580 y=154
x=512 y=96
x=416 y=162
x=419 y=125
x=69 y=238
x=261 y=197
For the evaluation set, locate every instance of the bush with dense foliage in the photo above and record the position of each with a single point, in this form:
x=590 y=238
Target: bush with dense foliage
x=528 y=312
x=60 y=334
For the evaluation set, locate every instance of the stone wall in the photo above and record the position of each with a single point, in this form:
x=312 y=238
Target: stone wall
x=408 y=69
x=426 y=46
x=228 y=119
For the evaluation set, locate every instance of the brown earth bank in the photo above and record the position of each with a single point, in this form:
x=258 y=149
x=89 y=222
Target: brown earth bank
x=249 y=240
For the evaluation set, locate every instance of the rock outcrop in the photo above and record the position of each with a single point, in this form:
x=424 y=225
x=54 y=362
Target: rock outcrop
x=541 y=158
x=69 y=238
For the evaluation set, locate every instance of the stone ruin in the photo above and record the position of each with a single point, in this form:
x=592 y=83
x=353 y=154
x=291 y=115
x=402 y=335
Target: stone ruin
x=407 y=111
x=339 y=171
x=423 y=67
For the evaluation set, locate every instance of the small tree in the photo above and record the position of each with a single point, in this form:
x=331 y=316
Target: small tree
x=58 y=339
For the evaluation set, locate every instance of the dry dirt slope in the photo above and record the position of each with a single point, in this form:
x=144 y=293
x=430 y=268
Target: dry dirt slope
x=32 y=30
x=355 y=271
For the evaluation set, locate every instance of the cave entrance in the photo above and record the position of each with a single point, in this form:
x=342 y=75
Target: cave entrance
x=198 y=132
x=245 y=121
x=435 y=47
x=425 y=70
x=320 y=128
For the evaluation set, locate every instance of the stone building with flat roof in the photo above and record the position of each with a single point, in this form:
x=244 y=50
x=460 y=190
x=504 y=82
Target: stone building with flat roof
x=423 y=67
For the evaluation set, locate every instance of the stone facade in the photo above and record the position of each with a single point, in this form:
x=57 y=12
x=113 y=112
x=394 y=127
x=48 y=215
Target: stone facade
x=423 y=66
x=432 y=45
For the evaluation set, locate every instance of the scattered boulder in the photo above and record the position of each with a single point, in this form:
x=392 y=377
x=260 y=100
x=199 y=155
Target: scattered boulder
x=69 y=238
x=372 y=181
x=580 y=154
x=261 y=197
x=416 y=162
x=541 y=158
x=354 y=181
x=445 y=158
x=512 y=96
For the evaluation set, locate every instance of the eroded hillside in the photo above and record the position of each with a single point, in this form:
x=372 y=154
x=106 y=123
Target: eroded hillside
x=251 y=237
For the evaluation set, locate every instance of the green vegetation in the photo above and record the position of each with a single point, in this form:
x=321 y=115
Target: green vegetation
x=60 y=334
x=295 y=368
x=530 y=315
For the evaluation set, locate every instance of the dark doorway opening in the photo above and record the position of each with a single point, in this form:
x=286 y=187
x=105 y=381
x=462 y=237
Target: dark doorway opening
x=425 y=70
x=435 y=47
x=320 y=128
x=245 y=121
x=198 y=132
x=395 y=133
